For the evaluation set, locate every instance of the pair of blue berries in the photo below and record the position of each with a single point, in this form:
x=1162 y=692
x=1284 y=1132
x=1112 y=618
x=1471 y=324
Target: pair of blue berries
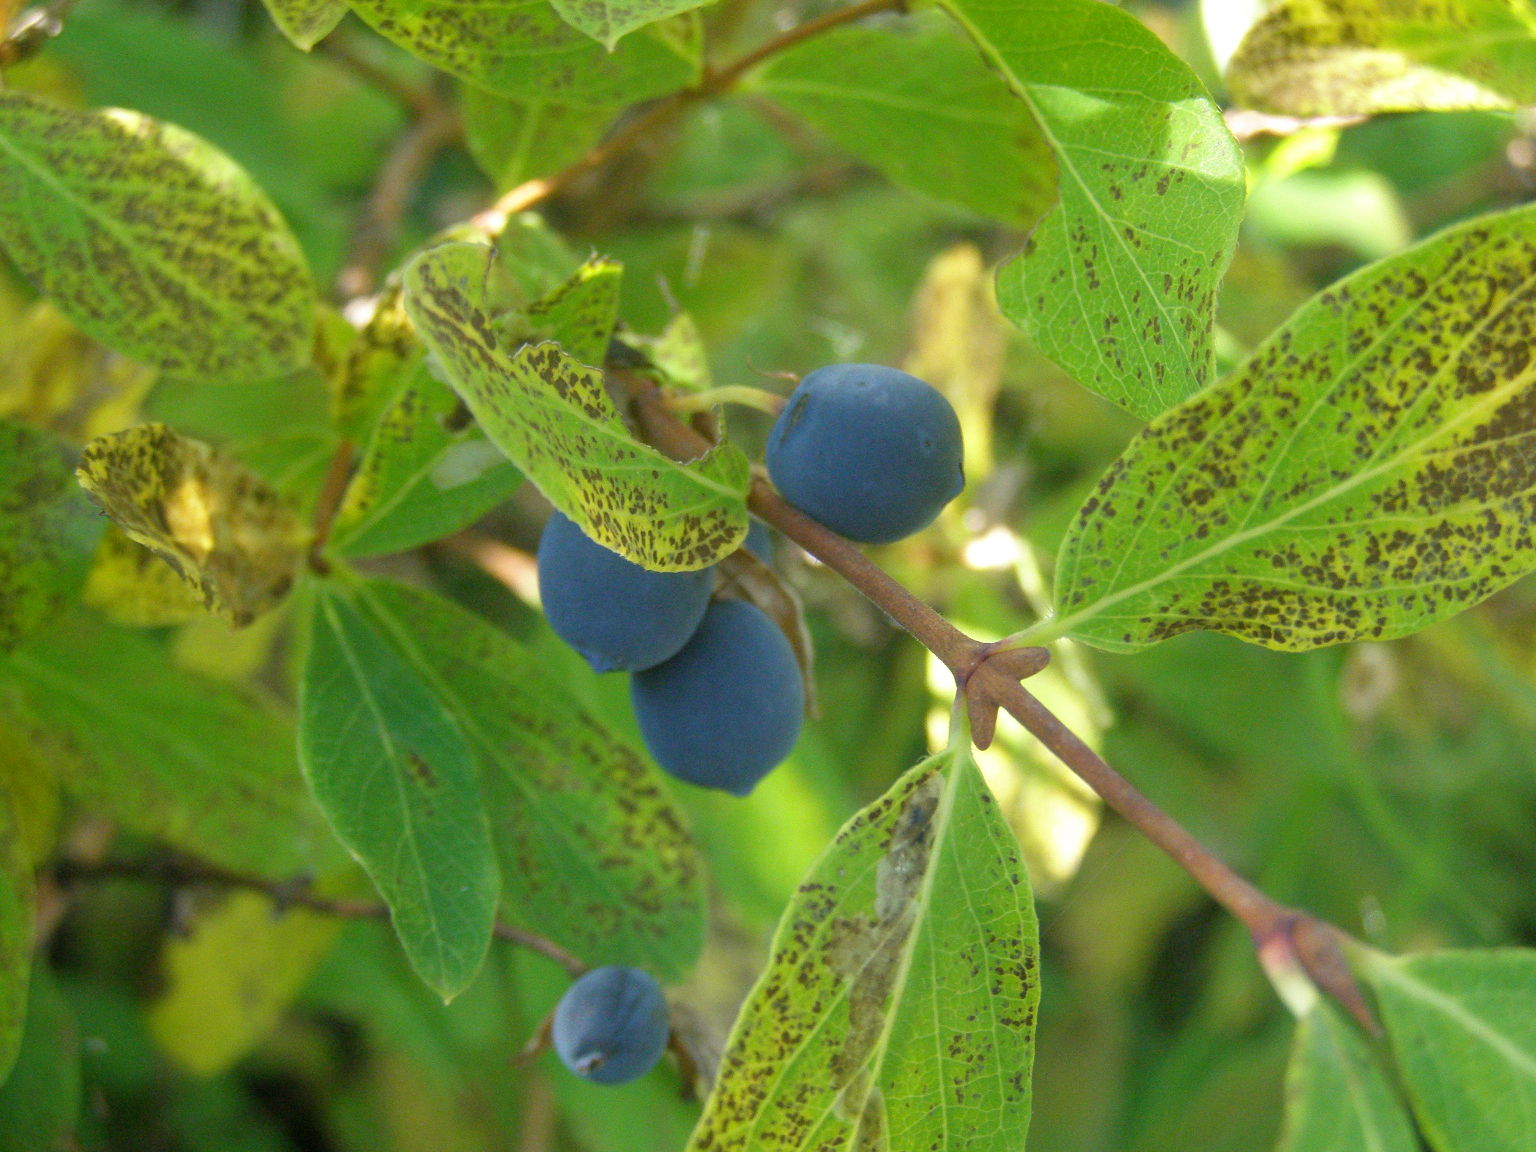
x=870 y=452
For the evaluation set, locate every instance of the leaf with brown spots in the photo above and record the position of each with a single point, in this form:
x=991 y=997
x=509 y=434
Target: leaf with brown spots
x=230 y=536
x=164 y=753
x=1368 y=471
x=48 y=531
x=593 y=853
x=306 y=22
x=390 y=768
x=152 y=241
x=552 y=415
x=1359 y=57
x=919 y=105
x=523 y=48
x=898 y=1007
x=1118 y=283
x=608 y=20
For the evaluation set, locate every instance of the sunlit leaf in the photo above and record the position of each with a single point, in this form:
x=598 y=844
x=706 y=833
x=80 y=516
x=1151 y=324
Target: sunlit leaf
x=231 y=976
x=523 y=48
x=48 y=531
x=1367 y=472
x=580 y=313
x=1338 y=1095
x=607 y=20
x=422 y=475
x=18 y=905
x=152 y=241
x=163 y=752
x=513 y=140
x=1353 y=57
x=1118 y=283
x=553 y=417
x=306 y=22
x=1462 y=1027
x=924 y=110
x=898 y=1007
x=593 y=853
x=390 y=767
x=369 y=374
x=232 y=538
x=40 y=1100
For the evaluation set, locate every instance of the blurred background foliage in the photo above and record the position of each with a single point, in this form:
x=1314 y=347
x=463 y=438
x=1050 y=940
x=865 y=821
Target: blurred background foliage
x=1390 y=787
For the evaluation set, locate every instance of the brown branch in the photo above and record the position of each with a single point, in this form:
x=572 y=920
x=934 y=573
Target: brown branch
x=992 y=678
x=337 y=476
x=283 y=893
x=714 y=83
x=421 y=101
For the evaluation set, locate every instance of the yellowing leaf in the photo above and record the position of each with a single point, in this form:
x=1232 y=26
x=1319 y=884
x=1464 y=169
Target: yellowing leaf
x=232 y=977
x=1356 y=57
x=552 y=415
x=1367 y=472
x=134 y=586
x=152 y=241
x=898 y=1007
x=306 y=22
x=229 y=536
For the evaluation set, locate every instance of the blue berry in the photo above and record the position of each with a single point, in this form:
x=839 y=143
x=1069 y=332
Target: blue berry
x=611 y=1025
x=727 y=708
x=614 y=612
x=872 y=453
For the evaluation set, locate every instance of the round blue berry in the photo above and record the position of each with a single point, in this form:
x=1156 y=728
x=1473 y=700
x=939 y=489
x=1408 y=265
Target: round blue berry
x=614 y=612
x=872 y=453
x=727 y=708
x=611 y=1025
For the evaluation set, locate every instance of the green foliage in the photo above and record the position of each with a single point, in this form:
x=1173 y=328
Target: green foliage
x=522 y=139
x=900 y=996
x=1358 y=57
x=395 y=777
x=1462 y=1026
x=306 y=22
x=550 y=414
x=608 y=20
x=18 y=904
x=40 y=1100
x=1340 y=1096
x=925 y=111
x=1118 y=282
x=152 y=241
x=1364 y=474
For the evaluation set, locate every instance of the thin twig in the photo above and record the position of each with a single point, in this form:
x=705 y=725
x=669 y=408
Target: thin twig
x=714 y=83
x=283 y=893
x=338 y=475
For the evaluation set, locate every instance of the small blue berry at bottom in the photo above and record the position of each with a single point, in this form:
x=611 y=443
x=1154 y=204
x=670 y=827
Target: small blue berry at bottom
x=611 y=1026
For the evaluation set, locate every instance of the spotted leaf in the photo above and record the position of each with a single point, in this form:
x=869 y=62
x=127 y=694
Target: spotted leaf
x=48 y=530
x=898 y=1006
x=523 y=48
x=389 y=766
x=306 y=22
x=607 y=20
x=152 y=241
x=1118 y=283
x=1367 y=472
x=593 y=853
x=230 y=536
x=1358 y=57
x=553 y=417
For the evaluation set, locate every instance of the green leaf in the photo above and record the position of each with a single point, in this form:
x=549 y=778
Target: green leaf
x=40 y=1101
x=391 y=770
x=306 y=22
x=1358 y=57
x=593 y=853
x=513 y=140
x=234 y=540
x=165 y=753
x=553 y=417
x=523 y=48
x=1118 y=283
x=1462 y=1027
x=608 y=20
x=580 y=313
x=898 y=1007
x=1367 y=472
x=152 y=240
x=231 y=977
x=1338 y=1095
x=923 y=109
x=421 y=476
x=48 y=531
x=18 y=901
